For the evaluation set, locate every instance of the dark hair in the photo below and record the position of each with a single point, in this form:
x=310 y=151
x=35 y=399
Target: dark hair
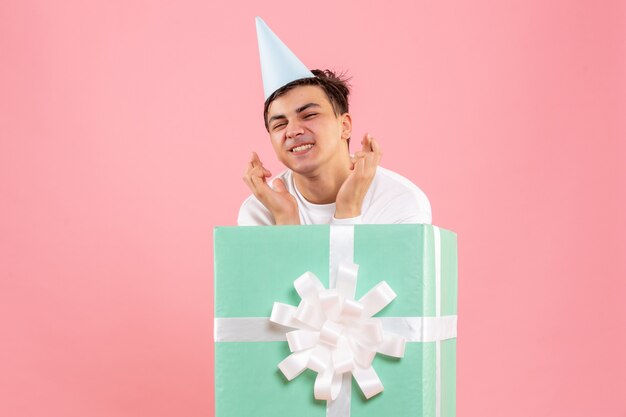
x=335 y=86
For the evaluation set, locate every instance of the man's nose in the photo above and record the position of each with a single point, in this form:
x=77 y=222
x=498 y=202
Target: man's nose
x=294 y=129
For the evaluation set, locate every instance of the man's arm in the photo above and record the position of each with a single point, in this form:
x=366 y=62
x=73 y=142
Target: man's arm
x=410 y=208
x=280 y=203
x=400 y=200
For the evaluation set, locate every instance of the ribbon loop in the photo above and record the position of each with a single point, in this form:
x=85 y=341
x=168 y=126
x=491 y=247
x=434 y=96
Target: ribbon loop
x=294 y=364
x=330 y=333
x=283 y=314
x=352 y=310
x=343 y=360
x=308 y=286
x=331 y=303
x=310 y=314
x=319 y=360
x=377 y=298
x=302 y=339
x=327 y=385
x=368 y=381
x=363 y=355
x=346 y=279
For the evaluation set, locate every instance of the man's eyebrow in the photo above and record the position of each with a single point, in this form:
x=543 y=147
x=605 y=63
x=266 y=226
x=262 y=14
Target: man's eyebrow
x=277 y=116
x=306 y=106
x=298 y=110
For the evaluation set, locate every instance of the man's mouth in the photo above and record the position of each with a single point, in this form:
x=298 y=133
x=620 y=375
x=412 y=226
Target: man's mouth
x=302 y=148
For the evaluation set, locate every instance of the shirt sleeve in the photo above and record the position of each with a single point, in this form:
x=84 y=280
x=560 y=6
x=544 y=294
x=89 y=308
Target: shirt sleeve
x=254 y=213
x=408 y=208
x=420 y=217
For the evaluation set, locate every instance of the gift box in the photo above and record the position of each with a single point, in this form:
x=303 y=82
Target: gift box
x=257 y=266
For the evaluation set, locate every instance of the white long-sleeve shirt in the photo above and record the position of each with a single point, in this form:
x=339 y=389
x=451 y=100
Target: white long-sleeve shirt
x=390 y=199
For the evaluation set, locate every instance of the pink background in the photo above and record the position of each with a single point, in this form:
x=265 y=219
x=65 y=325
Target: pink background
x=125 y=127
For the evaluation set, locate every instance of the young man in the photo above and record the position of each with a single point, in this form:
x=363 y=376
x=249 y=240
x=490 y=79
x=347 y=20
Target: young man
x=306 y=115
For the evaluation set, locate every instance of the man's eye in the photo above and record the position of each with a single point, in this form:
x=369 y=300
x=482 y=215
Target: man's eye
x=308 y=116
x=278 y=126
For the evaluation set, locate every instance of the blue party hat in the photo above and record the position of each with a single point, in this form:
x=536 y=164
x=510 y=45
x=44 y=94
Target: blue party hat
x=279 y=66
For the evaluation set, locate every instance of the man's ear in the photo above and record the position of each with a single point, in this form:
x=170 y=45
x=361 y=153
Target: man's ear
x=346 y=126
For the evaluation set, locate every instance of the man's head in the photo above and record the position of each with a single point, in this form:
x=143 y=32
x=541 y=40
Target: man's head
x=335 y=87
x=309 y=124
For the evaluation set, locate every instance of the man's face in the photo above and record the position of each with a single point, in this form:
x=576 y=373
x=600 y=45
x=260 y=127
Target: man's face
x=306 y=134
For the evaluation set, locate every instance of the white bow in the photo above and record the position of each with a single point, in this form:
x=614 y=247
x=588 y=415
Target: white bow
x=337 y=334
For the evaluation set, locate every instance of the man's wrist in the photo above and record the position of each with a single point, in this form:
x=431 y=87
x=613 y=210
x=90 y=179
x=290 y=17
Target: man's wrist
x=287 y=220
x=347 y=212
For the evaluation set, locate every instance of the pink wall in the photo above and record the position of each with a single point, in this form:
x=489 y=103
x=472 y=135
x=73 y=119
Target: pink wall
x=125 y=128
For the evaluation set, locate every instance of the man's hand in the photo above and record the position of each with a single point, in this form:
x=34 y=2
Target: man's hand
x=352 y=192
x=278 y=201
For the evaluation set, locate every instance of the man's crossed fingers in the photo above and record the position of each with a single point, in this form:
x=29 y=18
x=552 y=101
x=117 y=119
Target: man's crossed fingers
x=256 y=174
x=366 y=160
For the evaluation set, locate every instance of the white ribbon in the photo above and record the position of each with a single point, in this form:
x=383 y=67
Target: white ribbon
x=260 y=329
x=337 y=334
x=437 y=241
